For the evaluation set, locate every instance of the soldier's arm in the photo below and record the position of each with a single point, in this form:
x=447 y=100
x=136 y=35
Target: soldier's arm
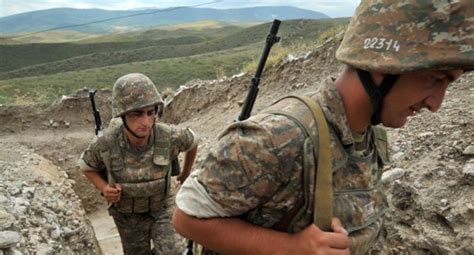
x=90 y=163
x=111 y=194
x=189 y=157
x=96 y=179
x=185 y=140
x=235 y=236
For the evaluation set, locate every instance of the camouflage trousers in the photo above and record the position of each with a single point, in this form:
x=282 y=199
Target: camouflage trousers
x=138 y=229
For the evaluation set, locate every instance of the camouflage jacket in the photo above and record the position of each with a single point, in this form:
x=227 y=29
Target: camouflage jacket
x=256 y=171
x=143 y=173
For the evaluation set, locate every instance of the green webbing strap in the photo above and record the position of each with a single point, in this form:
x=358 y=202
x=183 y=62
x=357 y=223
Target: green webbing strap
x=323 y=195
x=161 y=150
x=107 y=146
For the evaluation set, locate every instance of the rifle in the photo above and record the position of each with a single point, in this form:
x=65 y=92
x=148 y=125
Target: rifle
x=252 y=94
x=99 y=128
x=98 y=122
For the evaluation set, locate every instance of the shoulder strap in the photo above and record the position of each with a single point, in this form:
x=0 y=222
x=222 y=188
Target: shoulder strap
x=162 y=146
x=162 y=150
x=107 y=143
x=323 y=201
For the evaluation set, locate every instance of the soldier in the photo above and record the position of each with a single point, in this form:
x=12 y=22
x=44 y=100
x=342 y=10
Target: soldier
x=131 y=166
x=400 y=56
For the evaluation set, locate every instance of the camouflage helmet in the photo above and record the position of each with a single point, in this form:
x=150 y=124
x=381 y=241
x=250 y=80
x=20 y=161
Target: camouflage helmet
x=397 y=36
x=132 y=92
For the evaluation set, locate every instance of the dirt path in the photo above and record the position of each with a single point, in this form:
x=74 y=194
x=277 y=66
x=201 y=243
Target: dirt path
x=106 y=232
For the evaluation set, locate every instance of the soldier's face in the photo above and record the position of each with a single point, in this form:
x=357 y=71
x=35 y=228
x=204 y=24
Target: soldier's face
x=141 y=121
x=413 y=92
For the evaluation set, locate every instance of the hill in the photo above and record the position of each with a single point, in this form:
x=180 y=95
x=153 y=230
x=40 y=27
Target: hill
x=171 y=64
x=205 y=28
x=69 y=18
x=22 y=55
x=36 y=59
x=170 y=72
x=56 y=36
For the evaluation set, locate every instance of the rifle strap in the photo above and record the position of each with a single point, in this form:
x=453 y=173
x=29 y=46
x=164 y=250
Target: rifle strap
x=107 y=145
x=323 y=200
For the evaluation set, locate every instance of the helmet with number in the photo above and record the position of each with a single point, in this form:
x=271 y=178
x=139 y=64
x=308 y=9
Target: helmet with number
x=397 y=36
x=132 y=92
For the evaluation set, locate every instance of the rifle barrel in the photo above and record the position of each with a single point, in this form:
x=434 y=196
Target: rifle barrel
x=253 y=91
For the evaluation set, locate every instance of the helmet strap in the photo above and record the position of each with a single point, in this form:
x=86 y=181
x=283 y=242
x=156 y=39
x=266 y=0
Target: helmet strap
x=376 y=93
x=158 y=110
x=129 y=130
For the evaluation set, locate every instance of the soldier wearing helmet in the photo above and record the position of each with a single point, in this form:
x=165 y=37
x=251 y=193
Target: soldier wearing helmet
x=256 y=193
x=131 y=166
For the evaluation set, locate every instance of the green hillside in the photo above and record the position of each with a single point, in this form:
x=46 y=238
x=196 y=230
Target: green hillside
x=55 y=36
x=23 y=55
x=111 y=57
x=50 y=70
x=208 y=29
x=290 y=31
x=165 y=73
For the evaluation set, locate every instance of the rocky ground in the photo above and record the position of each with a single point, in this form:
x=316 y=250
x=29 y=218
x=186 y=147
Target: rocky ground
x=39 y=211
x=430 y=182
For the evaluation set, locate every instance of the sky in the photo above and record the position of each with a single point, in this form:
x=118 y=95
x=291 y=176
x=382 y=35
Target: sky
x=332 y=8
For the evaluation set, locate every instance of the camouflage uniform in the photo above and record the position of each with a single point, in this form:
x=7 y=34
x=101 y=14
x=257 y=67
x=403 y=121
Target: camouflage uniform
x=256 y=170
x=145 y=207
x=256 y=173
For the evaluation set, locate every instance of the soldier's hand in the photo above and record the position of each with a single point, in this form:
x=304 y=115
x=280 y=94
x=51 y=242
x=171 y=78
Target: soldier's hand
x=112 y=193
x=313 y=240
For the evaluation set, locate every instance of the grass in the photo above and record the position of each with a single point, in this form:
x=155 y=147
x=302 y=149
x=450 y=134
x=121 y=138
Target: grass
x=25 y=55
x=56 y=36
x=50 y=70
x=34 y=59
x=277 y=53
x=165 y=73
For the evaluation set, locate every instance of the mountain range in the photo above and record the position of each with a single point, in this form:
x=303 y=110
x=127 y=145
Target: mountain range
x=98 y=21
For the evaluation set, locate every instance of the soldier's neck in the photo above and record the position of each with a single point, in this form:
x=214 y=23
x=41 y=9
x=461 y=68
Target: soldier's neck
x=356 y=102
x=137 y=143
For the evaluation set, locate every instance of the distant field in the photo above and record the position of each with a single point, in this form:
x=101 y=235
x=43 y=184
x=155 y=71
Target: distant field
x=24 y=55
x=165 y=73
x=43 y=72
x=56 y=36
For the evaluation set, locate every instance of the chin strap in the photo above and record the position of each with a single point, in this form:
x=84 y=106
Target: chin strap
x=376 y=93
x=133 y=133
x=129 y=130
